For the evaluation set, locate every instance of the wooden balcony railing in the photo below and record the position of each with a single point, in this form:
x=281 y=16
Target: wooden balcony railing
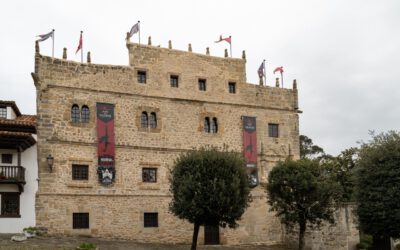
x=12 y=174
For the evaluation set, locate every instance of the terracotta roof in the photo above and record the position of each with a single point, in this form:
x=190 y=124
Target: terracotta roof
x=23 y=123
x=11 y=104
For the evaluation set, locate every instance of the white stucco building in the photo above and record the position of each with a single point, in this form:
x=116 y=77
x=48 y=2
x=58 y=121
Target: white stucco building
x=18 y=168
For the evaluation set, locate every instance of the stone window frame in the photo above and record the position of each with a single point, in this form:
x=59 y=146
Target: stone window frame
x=170 y=76
x=149 y=111
x=6 y=196
x=149 y=169
x=3 y=112
x=152 y=220
x=273 y=130
x=199 y=84
x=146 y=75
x=234 y=89
x=86 y=183
x=80 y=221
x=211 y=116
x=80 y=172
x=150 y=185
x=81 y=104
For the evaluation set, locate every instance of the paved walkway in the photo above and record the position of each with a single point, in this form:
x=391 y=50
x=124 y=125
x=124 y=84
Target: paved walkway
x=69 y=243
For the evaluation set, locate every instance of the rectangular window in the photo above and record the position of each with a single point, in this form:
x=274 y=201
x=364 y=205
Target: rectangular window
x=141 y=76
x=174 y=81
x=80 y=220
x=80 y=172
x=202 y=84
x=273 y=130
x=3 y=112
x=10 y=205
x=232 y=87
x=6 y=158
x=149 y=174
x=150 y=219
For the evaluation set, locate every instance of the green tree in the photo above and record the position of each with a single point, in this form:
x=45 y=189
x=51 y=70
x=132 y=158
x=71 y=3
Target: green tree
x=308 y=150
x=302 y=193
x=209 y=187
x=379 y=188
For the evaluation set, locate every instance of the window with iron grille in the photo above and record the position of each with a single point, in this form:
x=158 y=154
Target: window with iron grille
x=174 y=81
x=141 y=76
x=214 y=126
x=273 y=130
x=153 y=120
x=202 y=84
x=149 y=174
x=207 y=125
x=144 y=121
x=6 y=158
x=85 y=114
x=150 y=219
x=80 y=172
x=10 y=205
x=75 y=114
x=232 y=87
x=80 y=220
x=3 y=112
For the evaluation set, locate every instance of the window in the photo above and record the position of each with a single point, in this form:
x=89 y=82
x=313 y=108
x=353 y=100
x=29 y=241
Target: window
x=174 y=81
x=3 y=112
x=214 y=126
x=141 y=76
x=202 y=84
x=144 y=122
x=232 y=87
x=85 y=114
x=207 y=125
x=75 y=114
x=6 y=158
x=153 y=120
x=273 y=130
x=10 y=205
x=80 y=172
x=149 y=174
x=150 y=219
x=80 y=220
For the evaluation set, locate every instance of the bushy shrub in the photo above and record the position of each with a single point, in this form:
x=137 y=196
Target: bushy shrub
x=86 y=246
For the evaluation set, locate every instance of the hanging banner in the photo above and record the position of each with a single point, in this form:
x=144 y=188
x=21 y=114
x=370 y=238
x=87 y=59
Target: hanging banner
x=105 y=143
x=250 y=148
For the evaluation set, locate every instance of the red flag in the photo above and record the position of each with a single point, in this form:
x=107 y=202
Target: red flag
x=279 y=69
x=228 y=39
x=80 y=43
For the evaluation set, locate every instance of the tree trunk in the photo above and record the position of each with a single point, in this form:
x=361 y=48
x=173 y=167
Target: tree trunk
x=381 y=243
x=195 y=234
x=302 y=230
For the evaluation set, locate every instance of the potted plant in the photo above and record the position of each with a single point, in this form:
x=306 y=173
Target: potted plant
x=30 y=232
x=2 y=176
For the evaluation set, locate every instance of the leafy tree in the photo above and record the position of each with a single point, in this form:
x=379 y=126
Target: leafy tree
x=302 y=193
x=209 y=187
x=308 y=150
x=379 y=188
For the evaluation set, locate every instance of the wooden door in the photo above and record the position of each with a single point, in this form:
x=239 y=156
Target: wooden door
x=211 y=235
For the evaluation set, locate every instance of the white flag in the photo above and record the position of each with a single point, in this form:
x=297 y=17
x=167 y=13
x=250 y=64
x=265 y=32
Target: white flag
x=135 y=29
x=44 y=37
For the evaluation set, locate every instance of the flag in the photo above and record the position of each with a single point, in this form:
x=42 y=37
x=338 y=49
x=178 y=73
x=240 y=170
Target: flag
x=228 y=39
x=279 y=69
x=261 y=70
x=135 y=29
x=44 y=37
x=80 y=44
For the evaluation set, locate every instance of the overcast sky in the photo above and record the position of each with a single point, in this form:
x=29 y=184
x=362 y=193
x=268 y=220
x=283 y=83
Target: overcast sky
x=345 y=54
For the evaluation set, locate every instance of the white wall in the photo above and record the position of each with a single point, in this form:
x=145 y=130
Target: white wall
x=11 y=113
x=27 y=198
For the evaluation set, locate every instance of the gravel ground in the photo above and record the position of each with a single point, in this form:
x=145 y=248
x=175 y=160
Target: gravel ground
x=69 y=243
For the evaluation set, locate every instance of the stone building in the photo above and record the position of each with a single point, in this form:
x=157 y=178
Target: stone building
x=114 y=132
x=18 y=168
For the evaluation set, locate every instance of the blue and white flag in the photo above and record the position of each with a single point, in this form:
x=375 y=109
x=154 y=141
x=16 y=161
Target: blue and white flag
x=44 y=37
x=135 y=29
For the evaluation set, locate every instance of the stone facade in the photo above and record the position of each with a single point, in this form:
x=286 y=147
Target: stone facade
x=117 y=211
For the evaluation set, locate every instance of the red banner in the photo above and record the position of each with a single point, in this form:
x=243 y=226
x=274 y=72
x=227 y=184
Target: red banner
x=250 y=148
x=105 y=142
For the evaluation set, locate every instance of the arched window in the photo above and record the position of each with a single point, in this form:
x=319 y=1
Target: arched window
x=207 y=125
x=214 y=125
x=75 y=114
x=153 y=120
x=144 y=121
x=85 y=114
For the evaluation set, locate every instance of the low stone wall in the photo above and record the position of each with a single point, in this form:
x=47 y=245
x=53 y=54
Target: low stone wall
x=343 y=235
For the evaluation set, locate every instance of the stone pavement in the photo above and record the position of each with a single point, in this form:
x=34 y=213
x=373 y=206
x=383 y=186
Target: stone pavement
x=69 y=243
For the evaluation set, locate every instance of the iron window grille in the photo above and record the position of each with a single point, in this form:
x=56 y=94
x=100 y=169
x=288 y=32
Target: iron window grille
x=75 y=114
x=150 y=219
x=202 y=84
x=80 y=220
x=80 y=172
x=144 y=120
x=174 y=80
x=232 y=87
x=153 y=120
x=10 y=205
x=6 y=158
x=273 y=130
x=85 y=114
x=149 y=174
x=141 y=76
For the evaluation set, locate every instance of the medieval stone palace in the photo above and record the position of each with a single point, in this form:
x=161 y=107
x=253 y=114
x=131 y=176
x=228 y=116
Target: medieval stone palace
x=108 y=136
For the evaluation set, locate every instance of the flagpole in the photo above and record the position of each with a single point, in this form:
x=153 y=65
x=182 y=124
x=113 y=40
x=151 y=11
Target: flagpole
x=230 y=44
x=82 y=47
x=139 y=31
x=265 y=75
x=52 y=51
